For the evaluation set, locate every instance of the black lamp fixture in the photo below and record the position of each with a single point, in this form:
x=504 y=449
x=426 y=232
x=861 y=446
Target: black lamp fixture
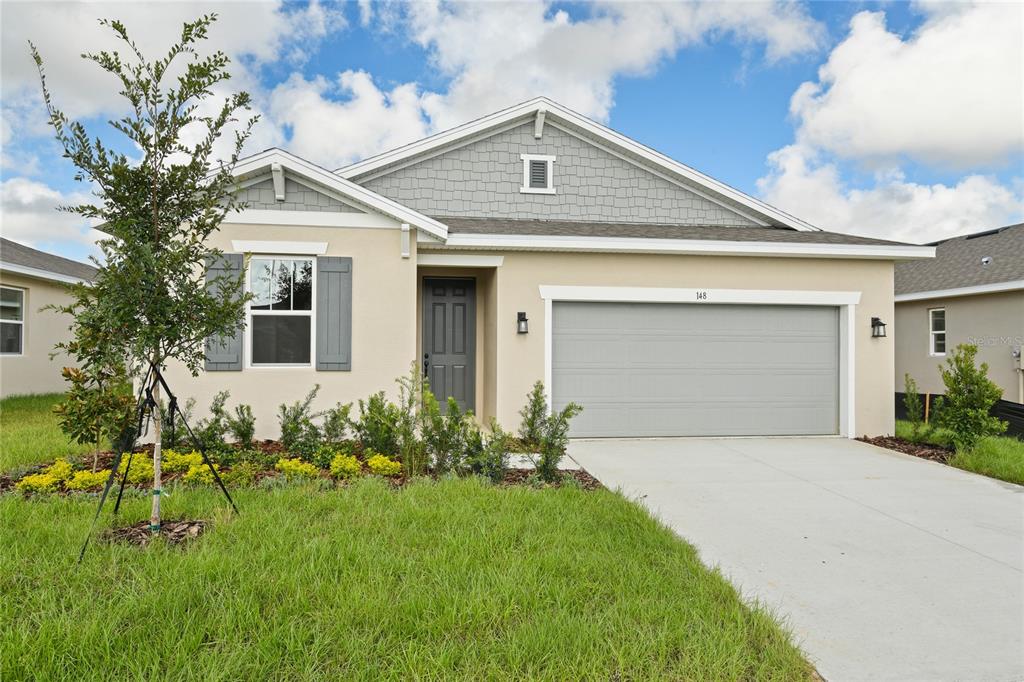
x=877 y=328
x=522 y=324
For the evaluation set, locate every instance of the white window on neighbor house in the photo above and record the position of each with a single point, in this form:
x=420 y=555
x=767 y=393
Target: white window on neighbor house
x=538 y=174
x=280 y=325
x=937 y=331
x=12 y=321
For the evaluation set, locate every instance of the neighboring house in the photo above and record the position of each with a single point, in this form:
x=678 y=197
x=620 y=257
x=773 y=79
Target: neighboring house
x=30 y=280
x=535 y=244
x=972 y=292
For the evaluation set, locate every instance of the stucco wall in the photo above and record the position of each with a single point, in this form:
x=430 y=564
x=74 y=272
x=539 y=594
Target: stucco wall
x=520 y=358
x=482 y=179
x=34 y=371
x=994 y=322
x=383 y=333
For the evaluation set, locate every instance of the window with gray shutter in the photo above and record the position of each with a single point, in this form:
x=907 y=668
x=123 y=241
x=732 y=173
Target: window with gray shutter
x=538 y=174
x=224 y=353
x=333 y=313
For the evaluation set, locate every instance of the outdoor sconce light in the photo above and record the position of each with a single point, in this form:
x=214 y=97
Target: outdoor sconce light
x=522 y=324
x=877 y=328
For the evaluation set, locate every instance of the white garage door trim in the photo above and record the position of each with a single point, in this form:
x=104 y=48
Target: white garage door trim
x=846 y=301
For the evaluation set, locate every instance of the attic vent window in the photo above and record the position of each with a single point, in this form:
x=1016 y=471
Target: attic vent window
x=538 y=172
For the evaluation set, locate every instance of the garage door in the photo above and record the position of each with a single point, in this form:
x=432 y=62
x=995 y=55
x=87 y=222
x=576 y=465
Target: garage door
x=671 y=369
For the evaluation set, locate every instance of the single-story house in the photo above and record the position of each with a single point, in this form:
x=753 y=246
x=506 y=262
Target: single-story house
x=971 y=292
x=30 y=280
x=536 y=244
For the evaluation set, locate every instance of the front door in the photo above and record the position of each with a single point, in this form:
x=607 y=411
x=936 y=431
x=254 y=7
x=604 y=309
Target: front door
x=449 y=339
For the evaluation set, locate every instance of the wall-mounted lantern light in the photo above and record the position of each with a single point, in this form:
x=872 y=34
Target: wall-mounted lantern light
x=522 y=324
x=877 y=328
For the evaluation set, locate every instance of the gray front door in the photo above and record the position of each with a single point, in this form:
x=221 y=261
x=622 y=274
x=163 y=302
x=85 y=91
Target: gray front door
x=676 y=369
x=449 y=339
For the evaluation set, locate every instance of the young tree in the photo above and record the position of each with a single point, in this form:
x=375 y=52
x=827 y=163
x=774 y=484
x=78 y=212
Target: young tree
x=149 y=302
x=970 y=395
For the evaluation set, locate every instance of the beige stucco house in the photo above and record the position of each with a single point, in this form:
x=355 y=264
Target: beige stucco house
x=535 y=244
x=971 y=292
x=29 y=281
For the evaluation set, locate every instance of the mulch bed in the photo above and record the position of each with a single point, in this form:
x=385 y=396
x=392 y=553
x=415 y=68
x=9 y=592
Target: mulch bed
x=524 y=476
x=175 y=532
x=935 y=453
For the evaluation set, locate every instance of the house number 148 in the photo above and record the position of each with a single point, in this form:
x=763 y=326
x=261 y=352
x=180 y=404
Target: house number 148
x=702 y=295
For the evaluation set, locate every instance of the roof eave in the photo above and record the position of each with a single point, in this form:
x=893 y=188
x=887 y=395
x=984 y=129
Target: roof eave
x=979 y=289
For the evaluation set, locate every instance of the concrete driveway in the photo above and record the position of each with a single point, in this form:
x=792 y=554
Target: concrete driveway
x=884 y=566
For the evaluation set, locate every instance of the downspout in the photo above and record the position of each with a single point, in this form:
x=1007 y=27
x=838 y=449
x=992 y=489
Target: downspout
x=1017 y=355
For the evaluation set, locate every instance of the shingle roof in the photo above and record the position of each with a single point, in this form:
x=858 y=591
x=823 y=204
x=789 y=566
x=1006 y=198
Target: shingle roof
x=958 y=262
x=13 y=253
x=652 y=231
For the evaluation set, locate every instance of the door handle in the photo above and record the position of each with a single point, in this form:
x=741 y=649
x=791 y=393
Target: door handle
x=426 y=363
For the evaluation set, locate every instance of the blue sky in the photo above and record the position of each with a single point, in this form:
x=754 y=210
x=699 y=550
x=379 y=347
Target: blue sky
x=888 y=119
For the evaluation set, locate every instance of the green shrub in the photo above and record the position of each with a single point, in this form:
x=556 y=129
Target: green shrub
x=382 y=465
x=326 y=453
x=491 y=458
x=200 y=474
x=345 y=466
x=443 y=435
x=378 y=424
x=258 y=458
x=970 y=394
x=242 y=425
x=413 y=392
x=141 y=471
x=212 y=431
x=241 y=475
x=173 y=461
x=534 y=415
x=553 y=441
x=913 y=406
x=299 y=434
x=38 y=483
x=337 y=422
x=61 y=469
x=294 y=468
x=88 y=480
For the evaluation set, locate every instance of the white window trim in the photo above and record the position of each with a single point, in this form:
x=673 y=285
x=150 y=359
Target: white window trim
x=247 y=340
x=283 y=247
x=932 y=333
x=550 y=160
x=20 y=323
x=846 y=301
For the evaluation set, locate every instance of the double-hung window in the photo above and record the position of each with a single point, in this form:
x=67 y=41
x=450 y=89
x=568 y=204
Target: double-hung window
x=281 y=311
x=937 y=331
x=12 y=321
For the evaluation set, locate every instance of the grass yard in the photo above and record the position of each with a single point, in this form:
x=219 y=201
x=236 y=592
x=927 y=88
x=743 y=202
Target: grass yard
x=999 y=457
x=454 y=579
x=29 y=433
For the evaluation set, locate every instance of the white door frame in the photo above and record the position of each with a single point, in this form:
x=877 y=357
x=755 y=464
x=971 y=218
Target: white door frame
x=846 y=301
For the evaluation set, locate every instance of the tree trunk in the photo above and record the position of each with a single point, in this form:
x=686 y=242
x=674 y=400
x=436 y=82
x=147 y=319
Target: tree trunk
x=154 y=518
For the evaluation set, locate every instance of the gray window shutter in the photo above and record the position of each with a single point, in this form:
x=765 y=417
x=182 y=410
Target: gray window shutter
x=224 y=353
x=333 y=313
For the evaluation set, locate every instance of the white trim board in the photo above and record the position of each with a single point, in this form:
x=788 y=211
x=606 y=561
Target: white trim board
x=846 y=301
x=685 y=246
x=39 y=273
x=273 y=216
x=459 y=260
x=280 y=247
x=525 y=111
x=961 y=291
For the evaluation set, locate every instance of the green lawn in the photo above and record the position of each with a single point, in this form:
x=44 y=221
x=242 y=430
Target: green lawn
x=29 y=433
x=999 y=457
x=456 y=579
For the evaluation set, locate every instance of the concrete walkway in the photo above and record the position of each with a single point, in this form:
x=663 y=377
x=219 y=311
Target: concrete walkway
x=885 y=566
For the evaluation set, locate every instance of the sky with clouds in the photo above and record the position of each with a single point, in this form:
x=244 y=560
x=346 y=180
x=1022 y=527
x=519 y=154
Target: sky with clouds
x=895 y=120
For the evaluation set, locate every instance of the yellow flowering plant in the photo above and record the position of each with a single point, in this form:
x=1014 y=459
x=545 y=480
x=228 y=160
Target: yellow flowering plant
x=88 y=480
x=37 y=483
x=200 y=473
x=295 y=468
x=382 y=465
x=345 y=466
x=141 y=472
x=173 y=461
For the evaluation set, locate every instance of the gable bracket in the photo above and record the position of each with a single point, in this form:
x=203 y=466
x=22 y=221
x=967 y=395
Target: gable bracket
x=538 y=123
x=277 y=170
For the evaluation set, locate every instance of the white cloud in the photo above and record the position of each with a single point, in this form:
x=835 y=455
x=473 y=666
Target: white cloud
x=30 y=216
x=952 y=93
x=893 y=208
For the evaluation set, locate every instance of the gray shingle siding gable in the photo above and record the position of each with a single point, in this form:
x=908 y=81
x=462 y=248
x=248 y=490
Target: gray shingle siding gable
x=297 y=197
x=483 y=178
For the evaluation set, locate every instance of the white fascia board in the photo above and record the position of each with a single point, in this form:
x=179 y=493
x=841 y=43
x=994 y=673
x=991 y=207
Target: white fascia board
x=281 y=247
x=526 y=110
x=961 y=291
x=697 y=296
x=459 y=260
x=271 y=216
x=39 y=273
x=686 y=246
x=350 y=190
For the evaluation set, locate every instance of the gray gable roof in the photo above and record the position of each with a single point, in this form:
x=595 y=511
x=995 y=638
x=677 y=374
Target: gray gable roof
x=958 y=262
x=653 y=231
x=13 y=253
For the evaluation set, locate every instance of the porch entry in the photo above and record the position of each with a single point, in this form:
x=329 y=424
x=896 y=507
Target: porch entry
x=449 y=339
